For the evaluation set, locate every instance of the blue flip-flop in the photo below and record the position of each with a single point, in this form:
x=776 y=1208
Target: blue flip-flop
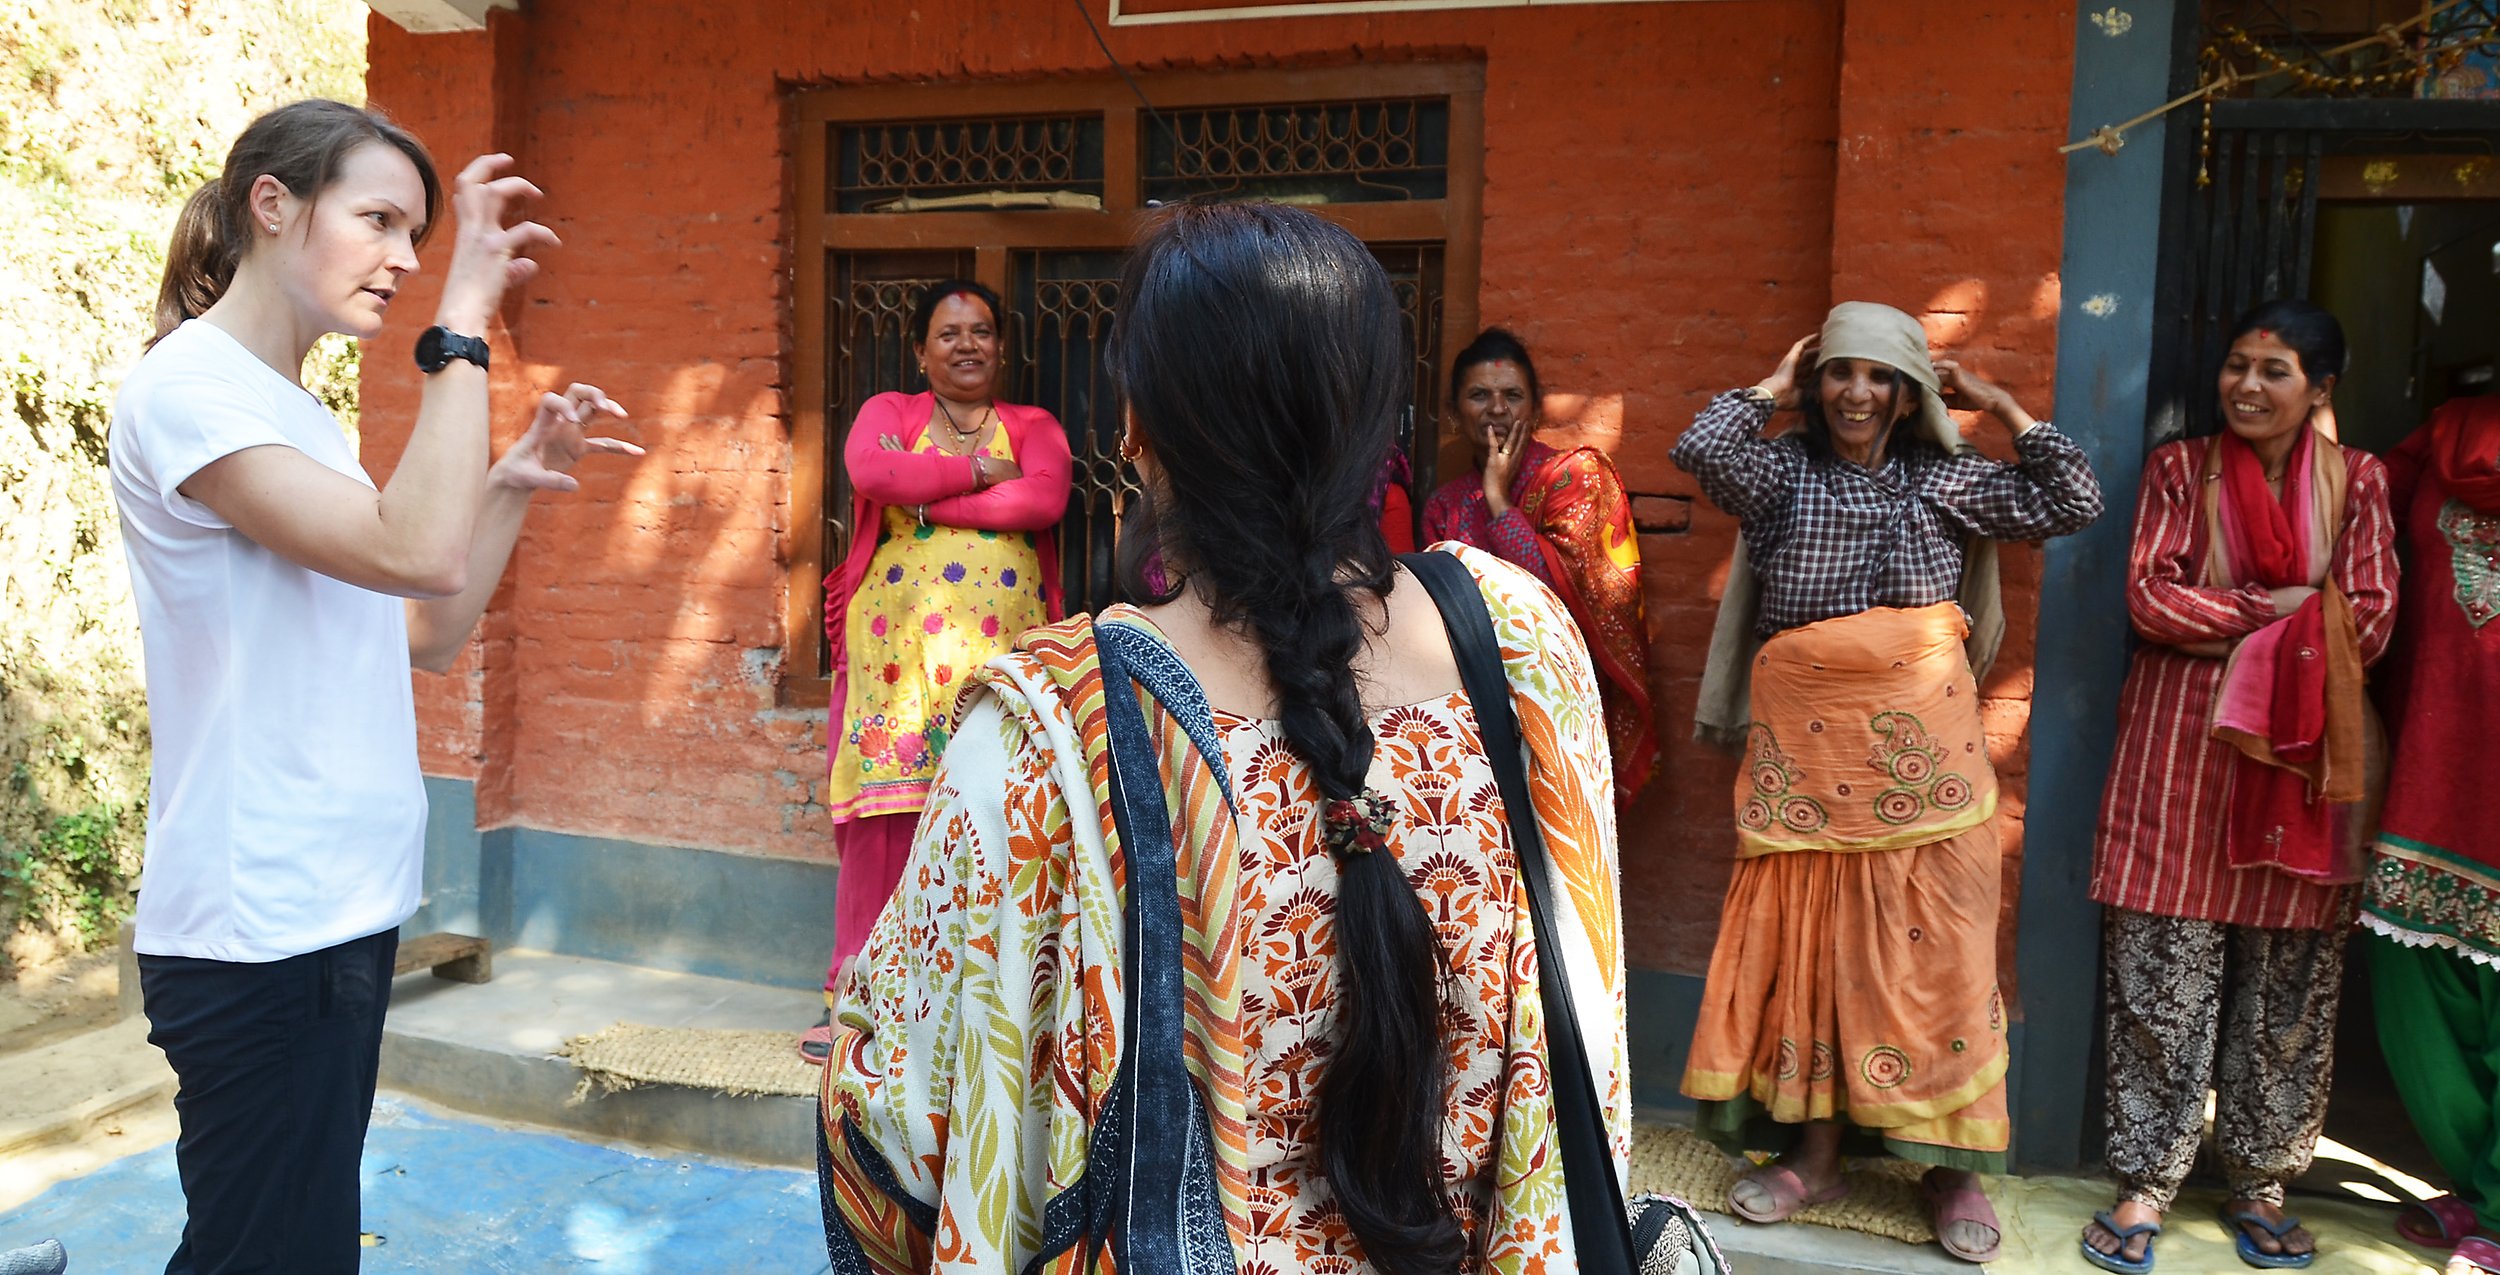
x=2117 y=1261
x=2240 y=1221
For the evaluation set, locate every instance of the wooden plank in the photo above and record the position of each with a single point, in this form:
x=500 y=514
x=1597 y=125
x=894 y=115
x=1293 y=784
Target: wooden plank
x=462 y=958
x=2410 y=179
x=2358 y=115
x=1060 y=95
x=805 y=683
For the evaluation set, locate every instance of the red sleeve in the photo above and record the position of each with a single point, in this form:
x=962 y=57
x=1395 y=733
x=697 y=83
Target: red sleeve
x=1034 y=500
x=2404 y=470
x=1444 y=510
x=890 y=476
x=2165 y=566
x=2365 y=555
x=1397 y=519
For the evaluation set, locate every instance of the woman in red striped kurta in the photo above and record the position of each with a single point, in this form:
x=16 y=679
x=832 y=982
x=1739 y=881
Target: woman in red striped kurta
x=2224 y=953
x=2170 y=781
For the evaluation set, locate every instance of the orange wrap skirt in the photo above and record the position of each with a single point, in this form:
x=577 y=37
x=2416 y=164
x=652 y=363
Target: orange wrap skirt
x=1855 y=973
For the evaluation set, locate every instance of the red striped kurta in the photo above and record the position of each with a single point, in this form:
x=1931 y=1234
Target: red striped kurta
x=2168 y=798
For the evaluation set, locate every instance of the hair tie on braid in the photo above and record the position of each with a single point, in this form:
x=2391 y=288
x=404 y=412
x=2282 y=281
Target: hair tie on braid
x=1358 y=824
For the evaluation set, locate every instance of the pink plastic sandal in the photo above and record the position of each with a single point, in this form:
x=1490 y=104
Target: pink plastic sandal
x=2479 y=1253
x=1966 y=1203
x=1788 y=1194
x=2439 y=1222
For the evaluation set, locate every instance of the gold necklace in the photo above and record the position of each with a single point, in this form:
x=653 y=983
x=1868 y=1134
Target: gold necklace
x=963 y=437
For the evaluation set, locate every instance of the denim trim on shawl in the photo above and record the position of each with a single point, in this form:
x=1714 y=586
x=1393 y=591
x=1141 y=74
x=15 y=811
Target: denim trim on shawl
x=1168 y=1215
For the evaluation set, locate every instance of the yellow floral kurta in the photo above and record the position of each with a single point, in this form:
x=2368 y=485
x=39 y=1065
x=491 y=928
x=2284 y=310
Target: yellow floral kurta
x=937 y=602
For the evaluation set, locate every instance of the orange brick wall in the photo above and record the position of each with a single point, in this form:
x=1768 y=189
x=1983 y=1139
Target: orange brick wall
x=1949 y=204
x=1673 y=191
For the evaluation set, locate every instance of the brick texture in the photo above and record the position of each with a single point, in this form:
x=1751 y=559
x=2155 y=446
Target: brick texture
x=1673 y=192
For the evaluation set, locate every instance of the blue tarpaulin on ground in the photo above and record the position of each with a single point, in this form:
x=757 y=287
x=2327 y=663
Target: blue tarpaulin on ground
x=446 y=1194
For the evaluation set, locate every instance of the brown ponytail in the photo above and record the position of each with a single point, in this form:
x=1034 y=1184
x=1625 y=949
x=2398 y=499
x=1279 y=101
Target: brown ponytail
x=199 y=263
x=303 y=145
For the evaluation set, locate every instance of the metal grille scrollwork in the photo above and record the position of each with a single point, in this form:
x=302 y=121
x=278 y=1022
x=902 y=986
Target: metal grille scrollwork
x=1415 y=272
x=2252 y=236
x=1046 y=161
x=1059 y=320
x=1315 y=153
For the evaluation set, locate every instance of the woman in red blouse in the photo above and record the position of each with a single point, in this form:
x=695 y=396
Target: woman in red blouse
x=2263 y=579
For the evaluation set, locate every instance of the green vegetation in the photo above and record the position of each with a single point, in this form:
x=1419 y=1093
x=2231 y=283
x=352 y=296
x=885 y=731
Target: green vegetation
x=111 y=113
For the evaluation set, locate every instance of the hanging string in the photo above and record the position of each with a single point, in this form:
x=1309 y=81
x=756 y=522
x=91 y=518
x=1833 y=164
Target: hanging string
x=2108 y=138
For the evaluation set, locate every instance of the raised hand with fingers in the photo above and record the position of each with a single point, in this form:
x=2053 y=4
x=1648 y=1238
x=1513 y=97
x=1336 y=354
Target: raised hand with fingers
x=1970 y=391
x=1505 y=447
x=491 y=252
x=1781 y=384
x=544 y=457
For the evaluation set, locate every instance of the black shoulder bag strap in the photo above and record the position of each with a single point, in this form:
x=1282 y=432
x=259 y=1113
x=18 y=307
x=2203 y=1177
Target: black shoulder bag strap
x=1599 y=1227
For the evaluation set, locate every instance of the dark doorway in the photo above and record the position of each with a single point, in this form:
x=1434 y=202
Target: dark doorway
x=2417 y=285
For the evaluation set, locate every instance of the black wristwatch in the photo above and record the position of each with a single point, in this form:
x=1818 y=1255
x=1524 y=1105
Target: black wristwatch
x=437 y=346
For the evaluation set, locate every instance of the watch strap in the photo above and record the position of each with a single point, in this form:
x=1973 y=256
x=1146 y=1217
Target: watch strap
x=439 y=345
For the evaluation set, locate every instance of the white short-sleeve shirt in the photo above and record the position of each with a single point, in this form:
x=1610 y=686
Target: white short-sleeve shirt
x=285 y=812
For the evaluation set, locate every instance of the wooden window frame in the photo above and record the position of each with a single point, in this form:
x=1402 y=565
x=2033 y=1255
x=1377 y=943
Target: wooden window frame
x=817 y=232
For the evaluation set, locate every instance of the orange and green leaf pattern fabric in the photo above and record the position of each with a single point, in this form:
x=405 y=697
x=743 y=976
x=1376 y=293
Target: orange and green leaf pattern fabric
x=975 y=1049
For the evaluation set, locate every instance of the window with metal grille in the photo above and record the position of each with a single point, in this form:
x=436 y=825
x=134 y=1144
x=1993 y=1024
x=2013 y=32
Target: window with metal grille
x=1312 y=152
x=1035 y=190
x=1037 y=162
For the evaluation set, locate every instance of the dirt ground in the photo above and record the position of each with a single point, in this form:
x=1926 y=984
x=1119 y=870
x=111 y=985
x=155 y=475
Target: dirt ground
x=70 y=1001
x=57 y=999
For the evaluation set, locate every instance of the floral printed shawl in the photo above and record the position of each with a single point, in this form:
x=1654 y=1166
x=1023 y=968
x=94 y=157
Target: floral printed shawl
x=968 y=1114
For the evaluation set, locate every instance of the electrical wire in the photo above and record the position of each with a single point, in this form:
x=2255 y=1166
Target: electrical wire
x=1170 y=134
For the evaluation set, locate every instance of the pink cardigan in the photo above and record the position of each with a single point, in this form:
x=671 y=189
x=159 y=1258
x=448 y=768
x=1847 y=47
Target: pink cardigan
x=1033 y=501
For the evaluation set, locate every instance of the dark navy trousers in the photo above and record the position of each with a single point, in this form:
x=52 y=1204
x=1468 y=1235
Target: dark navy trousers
x=276 y=1064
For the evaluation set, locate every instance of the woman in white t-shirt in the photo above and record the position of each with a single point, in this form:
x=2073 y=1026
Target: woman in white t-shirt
x=283 y=599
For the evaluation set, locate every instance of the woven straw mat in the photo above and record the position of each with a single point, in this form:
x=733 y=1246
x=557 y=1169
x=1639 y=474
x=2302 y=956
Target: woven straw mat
x=744 y=1064
x=1883 y=1194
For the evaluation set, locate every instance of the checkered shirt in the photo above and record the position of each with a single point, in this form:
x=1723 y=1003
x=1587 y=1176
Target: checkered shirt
x=1829 y=538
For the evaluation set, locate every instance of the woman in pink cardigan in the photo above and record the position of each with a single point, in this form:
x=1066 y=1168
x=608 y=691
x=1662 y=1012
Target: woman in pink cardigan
x=952 y=558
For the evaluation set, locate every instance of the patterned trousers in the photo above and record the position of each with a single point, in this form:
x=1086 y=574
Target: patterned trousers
x=2247 y=1013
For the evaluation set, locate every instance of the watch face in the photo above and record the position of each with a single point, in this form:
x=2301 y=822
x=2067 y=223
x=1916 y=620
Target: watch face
x=437 y=346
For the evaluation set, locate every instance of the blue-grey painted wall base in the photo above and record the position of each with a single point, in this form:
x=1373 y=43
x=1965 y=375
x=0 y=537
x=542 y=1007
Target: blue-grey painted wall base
x=747 y=917
x=2104 y=339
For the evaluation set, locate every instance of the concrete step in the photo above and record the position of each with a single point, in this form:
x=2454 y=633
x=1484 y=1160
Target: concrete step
x=1799 y=1249
x=489 y=1048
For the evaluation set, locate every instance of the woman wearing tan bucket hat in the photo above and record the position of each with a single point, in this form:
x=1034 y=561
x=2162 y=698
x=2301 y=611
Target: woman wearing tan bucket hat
x=1854 y=983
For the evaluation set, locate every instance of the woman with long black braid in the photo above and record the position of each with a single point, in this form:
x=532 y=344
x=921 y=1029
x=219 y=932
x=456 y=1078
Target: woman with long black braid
x=1357 y=1028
